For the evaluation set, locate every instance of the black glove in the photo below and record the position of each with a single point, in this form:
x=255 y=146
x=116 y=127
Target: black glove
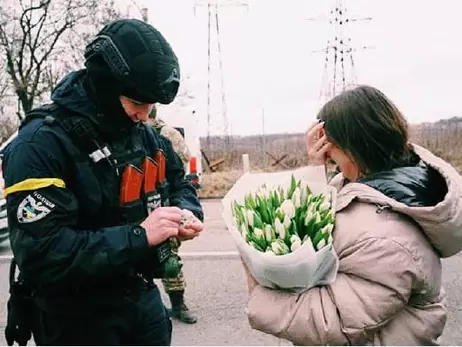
x=21 y=312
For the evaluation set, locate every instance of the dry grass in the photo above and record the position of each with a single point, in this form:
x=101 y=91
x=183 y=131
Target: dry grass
x=444 y=139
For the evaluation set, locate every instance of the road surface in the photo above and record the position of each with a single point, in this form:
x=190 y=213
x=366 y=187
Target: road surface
x=216 y=291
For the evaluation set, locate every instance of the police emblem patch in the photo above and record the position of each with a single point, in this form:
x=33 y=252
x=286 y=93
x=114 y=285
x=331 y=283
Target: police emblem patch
x=33 y=208
x=154 y=201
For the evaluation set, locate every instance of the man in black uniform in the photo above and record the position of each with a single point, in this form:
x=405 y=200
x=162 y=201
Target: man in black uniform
x=84 y=180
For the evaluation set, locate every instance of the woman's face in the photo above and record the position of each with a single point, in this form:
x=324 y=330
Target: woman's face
x=346 y=165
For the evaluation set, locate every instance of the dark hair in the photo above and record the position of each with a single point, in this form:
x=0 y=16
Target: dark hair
x=365 y=124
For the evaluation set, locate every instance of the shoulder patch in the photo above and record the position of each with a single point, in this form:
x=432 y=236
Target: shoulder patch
x=33 y=208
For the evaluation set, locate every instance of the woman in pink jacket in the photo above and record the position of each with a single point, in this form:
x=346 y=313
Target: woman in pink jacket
x=399 y=211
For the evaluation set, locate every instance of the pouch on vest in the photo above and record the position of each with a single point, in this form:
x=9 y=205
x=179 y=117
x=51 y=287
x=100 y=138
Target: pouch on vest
x=132 y=207
x=152 y=196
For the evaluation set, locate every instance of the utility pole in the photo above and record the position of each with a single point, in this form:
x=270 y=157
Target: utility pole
x=263 y=139
x=213 y=8
x=339 y=65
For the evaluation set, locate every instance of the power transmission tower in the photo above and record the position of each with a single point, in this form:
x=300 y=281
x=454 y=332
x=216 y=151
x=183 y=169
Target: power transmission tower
x=213 y=9
x=339 y=63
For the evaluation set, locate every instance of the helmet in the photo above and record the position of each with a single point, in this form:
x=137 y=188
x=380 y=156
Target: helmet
x=137 y=58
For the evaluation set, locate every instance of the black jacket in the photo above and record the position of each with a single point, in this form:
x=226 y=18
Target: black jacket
x=63 y=210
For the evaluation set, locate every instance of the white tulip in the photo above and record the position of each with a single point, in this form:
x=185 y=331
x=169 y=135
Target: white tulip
x=307 y=243
x=321 y=244
x=249 y=215
x=303 y=194
x=327 y=229
x=263 y=192
x=309 y=214
x=330 y=214
x=288 y=208
x=244 y=234
x=324 y=206
x=258 y=233
x=295 y=242
x=279 y=228
x=286 y=221
x=244 y=215
x=279 y=247
x=269 y=233
x=297 y=197
x=317 y=217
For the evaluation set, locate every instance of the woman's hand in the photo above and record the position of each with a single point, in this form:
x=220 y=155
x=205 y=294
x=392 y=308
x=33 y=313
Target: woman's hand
x=251 y=281
x=317 y=144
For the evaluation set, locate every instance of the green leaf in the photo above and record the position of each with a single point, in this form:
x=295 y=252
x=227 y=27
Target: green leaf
x=271 y=213
x=276 y=202
x=301 y=223
x=291 y=231
x=260 y=242
x=293 y=185
x=318 y=237
x=247 y=203
x=257 y=221
x=264 y=211
x=281 y=195
x=238 y=213
x=310 y=228
x=308 y=191
x=324 y=222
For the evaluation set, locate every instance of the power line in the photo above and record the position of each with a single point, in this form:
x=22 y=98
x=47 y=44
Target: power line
x=213 y=8
x=339 y=64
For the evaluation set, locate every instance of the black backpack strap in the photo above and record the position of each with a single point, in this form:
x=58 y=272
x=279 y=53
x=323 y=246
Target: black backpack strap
x=45 y=111
x=80 y=129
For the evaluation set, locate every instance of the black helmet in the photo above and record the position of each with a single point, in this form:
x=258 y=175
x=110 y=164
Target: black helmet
x=137 y=58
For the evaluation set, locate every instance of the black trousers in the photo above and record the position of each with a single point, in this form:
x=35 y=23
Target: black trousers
x=134 y=318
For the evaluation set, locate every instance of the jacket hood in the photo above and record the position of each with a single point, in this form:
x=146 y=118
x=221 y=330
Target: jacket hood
x=70 y=93
x=430 y=193
x=74 y=92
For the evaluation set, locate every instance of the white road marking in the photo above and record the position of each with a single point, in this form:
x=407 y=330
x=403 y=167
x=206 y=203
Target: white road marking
x=184 y=255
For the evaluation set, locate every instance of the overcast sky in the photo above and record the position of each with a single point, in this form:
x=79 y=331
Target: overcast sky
x=268 y=59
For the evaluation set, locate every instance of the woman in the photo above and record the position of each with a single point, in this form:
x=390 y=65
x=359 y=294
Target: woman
x=399 y=210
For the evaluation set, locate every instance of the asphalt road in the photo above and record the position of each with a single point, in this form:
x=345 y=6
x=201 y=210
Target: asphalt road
x=216 y=291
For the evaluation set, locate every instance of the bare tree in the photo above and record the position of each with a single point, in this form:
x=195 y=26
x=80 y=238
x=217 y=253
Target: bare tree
x=41 y=40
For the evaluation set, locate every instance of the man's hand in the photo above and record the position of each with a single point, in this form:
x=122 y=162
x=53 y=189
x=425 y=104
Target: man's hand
x=162 y=224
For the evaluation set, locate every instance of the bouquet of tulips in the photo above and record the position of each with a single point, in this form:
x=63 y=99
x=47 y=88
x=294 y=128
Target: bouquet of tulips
x=283 y=228
x=280 y=221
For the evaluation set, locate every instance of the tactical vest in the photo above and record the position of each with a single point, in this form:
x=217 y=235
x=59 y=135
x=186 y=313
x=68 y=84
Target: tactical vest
x=135 y=186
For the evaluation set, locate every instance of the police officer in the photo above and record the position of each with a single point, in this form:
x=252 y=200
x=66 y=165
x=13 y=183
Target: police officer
x=175 y=287
x=86 y=235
